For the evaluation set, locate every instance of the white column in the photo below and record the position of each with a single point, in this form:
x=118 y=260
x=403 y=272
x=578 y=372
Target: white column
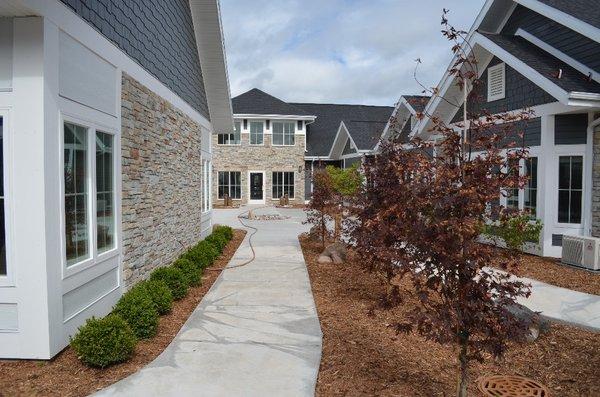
x=546 y=177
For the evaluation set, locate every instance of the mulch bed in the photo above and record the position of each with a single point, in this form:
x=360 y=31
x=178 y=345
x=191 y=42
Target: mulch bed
x=65 y=375
x=551 y=271
x=363 y=355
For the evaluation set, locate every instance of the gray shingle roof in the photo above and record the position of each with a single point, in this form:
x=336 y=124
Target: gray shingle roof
x=545 y=64
x=586 y=10
x=364 y=120
x=256 y=101
x=418 y=102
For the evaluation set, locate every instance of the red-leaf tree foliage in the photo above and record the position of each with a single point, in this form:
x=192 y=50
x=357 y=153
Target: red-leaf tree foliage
x=323 y=204
x=420 y=216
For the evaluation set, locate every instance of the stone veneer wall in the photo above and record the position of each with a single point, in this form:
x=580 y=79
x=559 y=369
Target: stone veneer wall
x=266 y=158
x=596 y=184
x=160 y=148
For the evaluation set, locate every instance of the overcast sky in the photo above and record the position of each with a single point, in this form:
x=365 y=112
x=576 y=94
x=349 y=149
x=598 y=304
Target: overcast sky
x=338 y=51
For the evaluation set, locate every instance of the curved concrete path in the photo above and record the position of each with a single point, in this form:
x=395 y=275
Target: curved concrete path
x=255 y=333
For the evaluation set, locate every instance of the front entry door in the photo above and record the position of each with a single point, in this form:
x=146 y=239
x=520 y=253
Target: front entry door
x=256 y=187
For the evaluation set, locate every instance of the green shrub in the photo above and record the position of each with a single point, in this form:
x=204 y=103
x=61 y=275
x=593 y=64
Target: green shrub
x=137 y=308
x=160 y=294
x=174 y=278
x=101 y=342
x=225 y=231
x=203 y=254
x=191 y=270
x=218 y=241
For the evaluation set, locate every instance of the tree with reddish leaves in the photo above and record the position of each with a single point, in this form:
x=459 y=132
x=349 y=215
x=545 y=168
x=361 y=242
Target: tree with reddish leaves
x=323 y=204
x=421 y=216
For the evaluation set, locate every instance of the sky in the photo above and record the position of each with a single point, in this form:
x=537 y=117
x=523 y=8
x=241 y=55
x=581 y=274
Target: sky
x=339 y=51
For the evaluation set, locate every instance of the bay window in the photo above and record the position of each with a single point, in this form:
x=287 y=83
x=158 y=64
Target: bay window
x=81 y=196
x=283 y=133
x=570 y=189
x=256 y=133
x=230 y=183
x=283 y=183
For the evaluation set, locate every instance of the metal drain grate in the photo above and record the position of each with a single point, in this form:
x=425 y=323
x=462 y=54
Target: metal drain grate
x=511 y=386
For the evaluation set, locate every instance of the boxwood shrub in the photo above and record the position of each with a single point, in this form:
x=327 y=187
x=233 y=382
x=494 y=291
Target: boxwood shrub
x=101 y=342
x=203 y=254
x=218 y=241
x=191 y=271
x=160 y=294
x=137 y=308
x=225 y=231
x=174 y=278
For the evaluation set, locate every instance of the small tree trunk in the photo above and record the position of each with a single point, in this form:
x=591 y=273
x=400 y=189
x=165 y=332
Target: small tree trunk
x=323 y=230
x=463 y=375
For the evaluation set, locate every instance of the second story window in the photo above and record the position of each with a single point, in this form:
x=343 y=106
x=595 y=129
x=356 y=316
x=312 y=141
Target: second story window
x=233 y=138
x=256 y=133
x=283 y=133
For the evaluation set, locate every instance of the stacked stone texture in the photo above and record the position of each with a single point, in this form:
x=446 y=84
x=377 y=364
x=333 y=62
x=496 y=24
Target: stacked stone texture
x=267 y=158
x=160 y=148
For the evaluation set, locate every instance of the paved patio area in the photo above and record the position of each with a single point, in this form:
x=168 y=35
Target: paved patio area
x=256 y=332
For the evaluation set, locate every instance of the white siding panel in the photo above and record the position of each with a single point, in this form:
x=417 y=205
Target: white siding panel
x=6 y=53
x=82 y=297
x=86 y=78
x=9 y=317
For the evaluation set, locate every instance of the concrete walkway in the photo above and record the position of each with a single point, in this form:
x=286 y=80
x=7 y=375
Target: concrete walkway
x=255 y=333
x=564 y=305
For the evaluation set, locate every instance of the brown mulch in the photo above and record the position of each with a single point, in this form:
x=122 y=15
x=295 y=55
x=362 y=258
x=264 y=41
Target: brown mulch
x=65 y=375
x=363 y=355
x=551 y=271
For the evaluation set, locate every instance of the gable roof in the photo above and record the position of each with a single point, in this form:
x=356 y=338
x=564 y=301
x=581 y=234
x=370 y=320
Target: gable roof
x=365 y=134
x=256 y=101
x=584 y=10
x=417 y=102
x=322 y=132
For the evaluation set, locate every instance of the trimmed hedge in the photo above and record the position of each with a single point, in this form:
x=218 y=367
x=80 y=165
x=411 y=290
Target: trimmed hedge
x=203 y=254
x=160 y=294
x=218 y=241
x=137 y=308
x=101 y=342
x=225 y=231
x=174 y=278
x=191 y=271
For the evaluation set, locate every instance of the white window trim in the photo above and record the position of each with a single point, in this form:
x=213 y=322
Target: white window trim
x=250 y=132
x=272 y=184
x=493 y=69
x=565 y=151
x=8 y=280
x=94 y=257
x=229 y=184
x=294 y=125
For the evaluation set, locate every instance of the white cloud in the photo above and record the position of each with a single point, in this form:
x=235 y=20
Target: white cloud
x=343 y=51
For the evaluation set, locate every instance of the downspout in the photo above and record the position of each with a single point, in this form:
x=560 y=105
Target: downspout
x=588 y=220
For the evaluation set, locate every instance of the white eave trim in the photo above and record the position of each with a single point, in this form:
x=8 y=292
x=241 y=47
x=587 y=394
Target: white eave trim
x=563 y=18
x=337 y=137
x=206 y=18
x=273 y=116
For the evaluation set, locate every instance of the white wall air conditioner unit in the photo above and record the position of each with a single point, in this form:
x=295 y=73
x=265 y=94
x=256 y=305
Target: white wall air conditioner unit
x=581 y=251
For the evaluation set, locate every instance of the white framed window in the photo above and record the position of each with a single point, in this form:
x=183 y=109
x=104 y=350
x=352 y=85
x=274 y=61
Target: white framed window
x=496 y=82
x=230 y=183
x=89 y=160
x=5 y=271
x=570 y=189
x=530 y=191
x=233 y=138
x=512 y=198
x=283 y=183
x=283 y=133
x=256 y=133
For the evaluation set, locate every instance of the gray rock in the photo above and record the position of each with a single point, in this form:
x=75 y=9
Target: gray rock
x=324 y=259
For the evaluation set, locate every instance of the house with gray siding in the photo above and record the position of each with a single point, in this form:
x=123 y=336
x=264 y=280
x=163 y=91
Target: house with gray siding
x=276 y=145
x=107 y=109
x=543 y=55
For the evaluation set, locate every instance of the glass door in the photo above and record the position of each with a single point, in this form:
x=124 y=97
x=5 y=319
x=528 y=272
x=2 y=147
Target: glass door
x=256 y=186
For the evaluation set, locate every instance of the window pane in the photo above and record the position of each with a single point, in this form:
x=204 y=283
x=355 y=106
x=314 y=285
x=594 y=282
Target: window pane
x=563 y=206
x=576 y=172
x=256 y=133
x=238 y=133
x=76 y=194
x=104 y=191
x=575 y=209
x=564 y=172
